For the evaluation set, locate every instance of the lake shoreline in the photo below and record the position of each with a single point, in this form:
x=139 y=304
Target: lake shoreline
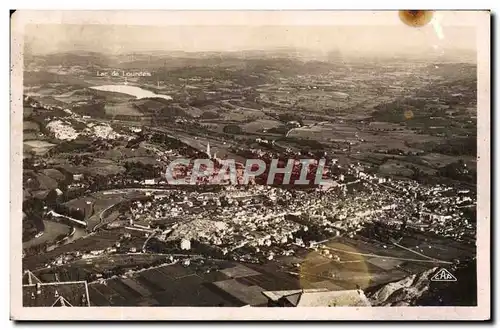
x=135 y=91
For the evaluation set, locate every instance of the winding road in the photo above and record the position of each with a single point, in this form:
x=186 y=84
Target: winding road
x=101 y=214
x=390 y=257
x=122 y=191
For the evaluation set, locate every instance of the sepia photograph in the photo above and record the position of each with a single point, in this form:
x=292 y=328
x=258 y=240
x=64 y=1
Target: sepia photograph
x=329 y=162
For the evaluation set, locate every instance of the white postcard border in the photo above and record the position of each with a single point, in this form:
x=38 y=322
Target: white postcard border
x=481 y=19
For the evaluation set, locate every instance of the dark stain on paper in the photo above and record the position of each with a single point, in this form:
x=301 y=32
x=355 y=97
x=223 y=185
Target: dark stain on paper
x=416 y=18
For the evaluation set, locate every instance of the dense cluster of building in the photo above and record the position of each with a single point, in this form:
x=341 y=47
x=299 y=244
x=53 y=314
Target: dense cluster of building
x=257 y=222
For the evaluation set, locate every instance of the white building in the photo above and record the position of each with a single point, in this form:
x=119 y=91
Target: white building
x=185 y=244
x=149 y=181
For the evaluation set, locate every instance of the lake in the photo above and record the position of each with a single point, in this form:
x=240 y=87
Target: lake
x=131 y=90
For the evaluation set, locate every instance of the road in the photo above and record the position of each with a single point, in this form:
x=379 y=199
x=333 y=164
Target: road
x=388 y=257
x=101 y=219
x=147 y=240
x=53 y=213
x=415 y=252
x=122 y=191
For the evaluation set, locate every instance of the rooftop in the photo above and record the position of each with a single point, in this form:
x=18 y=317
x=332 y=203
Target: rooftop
x=56 y=294
x=318 y=297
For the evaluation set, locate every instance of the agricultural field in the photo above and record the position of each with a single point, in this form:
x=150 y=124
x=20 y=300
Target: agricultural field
x=39 y=147
x=364 y=263
x=203 y=283
x=439 y=160
x=27 y=112
x=260 y=125
x=126 y=109
x=29 y=136
x=85 y=204
x=39 y=181
x=94 y=168
x=54 y=174
x=94 y=210
x=105 y=265
x=126 y=153
x=143 y=160
x=52 y=231
x=395 y=168
x=97 y=205
x=30 y=126
x=93 y=242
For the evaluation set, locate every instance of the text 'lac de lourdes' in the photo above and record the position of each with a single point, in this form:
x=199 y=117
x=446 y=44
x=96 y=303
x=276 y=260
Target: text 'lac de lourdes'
x=122 y=73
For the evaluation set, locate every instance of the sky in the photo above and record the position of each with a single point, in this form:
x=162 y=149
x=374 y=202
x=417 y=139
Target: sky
x=380 y=32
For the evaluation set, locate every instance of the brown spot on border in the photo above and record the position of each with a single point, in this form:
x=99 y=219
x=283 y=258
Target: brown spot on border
x=416 y=18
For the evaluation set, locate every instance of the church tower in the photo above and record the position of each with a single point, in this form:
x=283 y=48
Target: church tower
x=208 y=150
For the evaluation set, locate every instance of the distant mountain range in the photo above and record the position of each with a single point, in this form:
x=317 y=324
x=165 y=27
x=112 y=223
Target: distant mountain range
x=156 y=58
